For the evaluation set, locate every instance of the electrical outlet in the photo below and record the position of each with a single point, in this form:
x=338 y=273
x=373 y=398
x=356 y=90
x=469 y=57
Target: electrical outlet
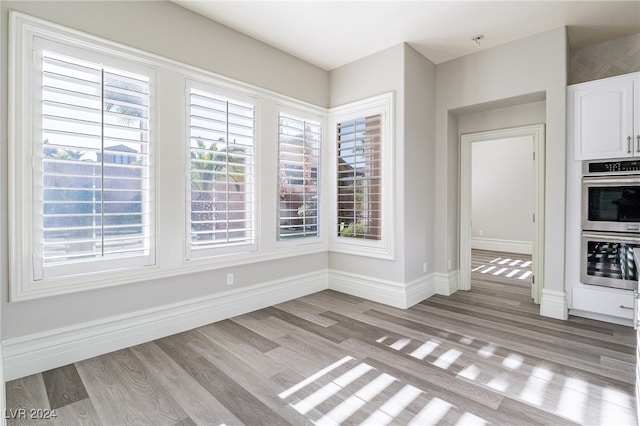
x=229 y=279
x=424 y=267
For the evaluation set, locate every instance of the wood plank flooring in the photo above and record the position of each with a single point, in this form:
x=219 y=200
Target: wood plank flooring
x=507 y=268
x=479 y=357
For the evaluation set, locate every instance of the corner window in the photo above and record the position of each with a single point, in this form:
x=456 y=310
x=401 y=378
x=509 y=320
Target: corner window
x=363 y=170
x=359 y=180
x=299 y=142
x=221 y=202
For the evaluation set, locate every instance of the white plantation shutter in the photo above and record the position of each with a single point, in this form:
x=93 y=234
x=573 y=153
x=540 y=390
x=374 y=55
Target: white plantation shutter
x=92 y=167
x=221 y=197
x=299 y=162
x=359 y=185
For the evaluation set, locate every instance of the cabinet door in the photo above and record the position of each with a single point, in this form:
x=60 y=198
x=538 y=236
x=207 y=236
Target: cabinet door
x=603 y=300
x=603 y=119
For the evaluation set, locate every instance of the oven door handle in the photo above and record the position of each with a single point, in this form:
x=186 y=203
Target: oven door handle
x=611 y=180
x=611 y=237
x=635 y=309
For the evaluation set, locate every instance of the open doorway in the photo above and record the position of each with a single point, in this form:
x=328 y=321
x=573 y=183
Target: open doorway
x=505 y=234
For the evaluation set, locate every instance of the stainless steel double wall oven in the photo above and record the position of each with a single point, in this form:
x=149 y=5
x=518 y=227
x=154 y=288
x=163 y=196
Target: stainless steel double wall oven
x=610 y=223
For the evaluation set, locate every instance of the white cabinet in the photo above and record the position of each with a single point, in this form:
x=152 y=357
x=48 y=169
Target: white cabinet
x=601 y=116
x=604 y=117
x=604 y=301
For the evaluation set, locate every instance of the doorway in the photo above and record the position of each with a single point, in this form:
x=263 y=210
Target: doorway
x=534 y=134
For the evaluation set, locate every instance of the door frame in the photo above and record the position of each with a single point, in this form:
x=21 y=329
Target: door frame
x=537 y=133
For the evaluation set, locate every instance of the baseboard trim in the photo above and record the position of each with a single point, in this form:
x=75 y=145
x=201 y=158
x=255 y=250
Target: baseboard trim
x=420 y=289
x=39 y=352
x=43 y=351
x=508 y=246
x=393 y=293
x=447 y=283
x=553 y=304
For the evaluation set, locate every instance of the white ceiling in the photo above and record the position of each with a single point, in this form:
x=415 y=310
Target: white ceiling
x=329 y=34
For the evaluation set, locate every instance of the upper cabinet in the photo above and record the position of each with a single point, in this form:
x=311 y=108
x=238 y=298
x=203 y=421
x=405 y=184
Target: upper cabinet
x=604 y=117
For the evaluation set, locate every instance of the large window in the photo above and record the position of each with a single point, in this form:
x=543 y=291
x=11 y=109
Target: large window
x=299 y=161
x=91 y=164
x=221 y=156
x=363 y=171
x=114 y=178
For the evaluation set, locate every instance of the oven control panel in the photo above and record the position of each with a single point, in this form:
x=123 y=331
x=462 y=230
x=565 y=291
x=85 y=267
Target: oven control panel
x=614 y=167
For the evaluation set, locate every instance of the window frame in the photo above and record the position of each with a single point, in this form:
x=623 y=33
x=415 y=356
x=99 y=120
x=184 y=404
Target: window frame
x=27 y=36
x=169 y=130
x=301 y=114
x=112 y=262
x=230 y=94
x=383 y=248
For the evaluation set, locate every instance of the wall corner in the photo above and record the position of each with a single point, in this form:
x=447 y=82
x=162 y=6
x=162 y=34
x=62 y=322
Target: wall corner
x=553 y=304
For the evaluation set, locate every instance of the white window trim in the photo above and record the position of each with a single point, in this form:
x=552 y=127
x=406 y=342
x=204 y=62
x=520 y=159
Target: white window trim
x=321 y=238
x=212 y=87
x=24 y=283
x=21 y=29
x=383 y=248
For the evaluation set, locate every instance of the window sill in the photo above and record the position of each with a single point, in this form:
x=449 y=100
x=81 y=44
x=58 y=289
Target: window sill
x=65 y=285
x=357 y=248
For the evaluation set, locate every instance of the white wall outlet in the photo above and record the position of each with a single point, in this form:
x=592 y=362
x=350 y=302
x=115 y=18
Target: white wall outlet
x=480 y=233
x=424 y=267
x=229 y=279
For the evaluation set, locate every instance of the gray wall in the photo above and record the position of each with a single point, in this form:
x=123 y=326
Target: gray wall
x=514 y=72
x=163 y=28
x=412 y=78
x=418 y=167
x=176 y=33
x=376 y=74
x=522 y=114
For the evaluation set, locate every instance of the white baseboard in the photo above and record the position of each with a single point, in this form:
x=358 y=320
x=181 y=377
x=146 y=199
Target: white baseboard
x=420 y=289
x=54 y=348
x=446 y=284
x=553 y=304
x=393 y=293
x=43 y=351
x=508 y=246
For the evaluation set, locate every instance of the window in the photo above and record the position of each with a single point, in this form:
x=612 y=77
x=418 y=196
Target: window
x=299 y=161
x=91 y=174
x=360 y=178
x=87 y=153
x=363 y=173
x=221 y=164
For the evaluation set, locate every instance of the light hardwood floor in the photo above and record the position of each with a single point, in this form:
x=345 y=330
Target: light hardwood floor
x=506 y=268
x=479 y=357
